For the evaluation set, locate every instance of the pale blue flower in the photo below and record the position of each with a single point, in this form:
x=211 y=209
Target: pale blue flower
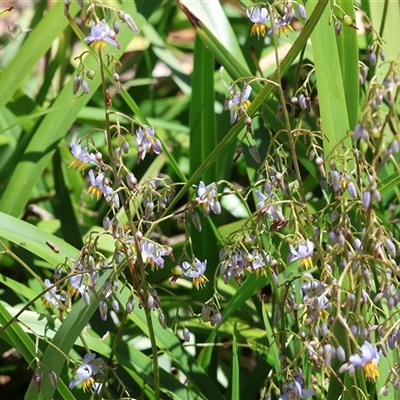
x=207 y=196
x=101 y=33
x=196 y=272
x=147 y=142
x=296 y=392
x=97 y=186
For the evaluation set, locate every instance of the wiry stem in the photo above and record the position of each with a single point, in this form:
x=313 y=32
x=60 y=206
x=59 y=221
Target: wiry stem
x=139 y=265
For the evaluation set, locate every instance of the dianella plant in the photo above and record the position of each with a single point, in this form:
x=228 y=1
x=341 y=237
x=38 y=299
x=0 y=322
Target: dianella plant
x=199 y=199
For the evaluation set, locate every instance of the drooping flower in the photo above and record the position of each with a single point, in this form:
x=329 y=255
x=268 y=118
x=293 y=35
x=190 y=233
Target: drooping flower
x=101 y=33
x=259 y=16
x=237 y=101
x=296 y=391
x=196 y=272
x=82 y=157
x=368 y=361
x=147 y=142
x=152 y=253
x=207 y=196
x=304 y=254
x=50 y=297
x=90 y=367
x=282 y=24
x=97 y=186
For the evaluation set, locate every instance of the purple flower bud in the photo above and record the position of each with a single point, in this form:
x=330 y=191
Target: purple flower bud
x=302 y=11
x=341 y=354
x=186 y=335
x=130 y=305
x=351 y=301
x=382 y=55
x=103 y=308
x=106 y=223
x=85 y=87
x=372 y=59
x=328 y=353
x=366 y=200
x=76 y=85
x=131 y=181
x=233 y=118
x=129 y=21
x=338 y=28
x=196 y=221
x=115 y=305
x=53 y=378
x=162 y=320
x=150 y=302
x=205 y=313
x=254 y=154
x=116 y=27
x=351 y=187
x=37 y=379
x=148 y=211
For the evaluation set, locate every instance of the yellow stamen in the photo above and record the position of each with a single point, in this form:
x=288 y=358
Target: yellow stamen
x=95 y=191
x=371 y=371
x=306 y=263
x=258 y=29
x=88 y=384
x=76 y=164
x=99 y=44
x=200 y=281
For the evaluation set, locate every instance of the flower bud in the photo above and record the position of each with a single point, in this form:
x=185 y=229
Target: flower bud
x=341 y=354
x=302 y=11
x=150 y=302
x=196 y=221
x=85 y=87
x=162 y=320
x=372 y=59
x=255 y=154
x=205 y=313
x=37 y=379
x=116 y=27
x=129 y=21
x=106 y=223
x=338 y=28
x=148 y=211
x=130 y=305
x=76 y=85
x=115 y=305
x=186 y=335
x=103 y=308
x=53 y=378
x=131 y=181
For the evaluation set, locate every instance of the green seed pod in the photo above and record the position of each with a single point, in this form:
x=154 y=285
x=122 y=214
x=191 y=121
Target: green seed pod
x=90 y=74
x=347 y=20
